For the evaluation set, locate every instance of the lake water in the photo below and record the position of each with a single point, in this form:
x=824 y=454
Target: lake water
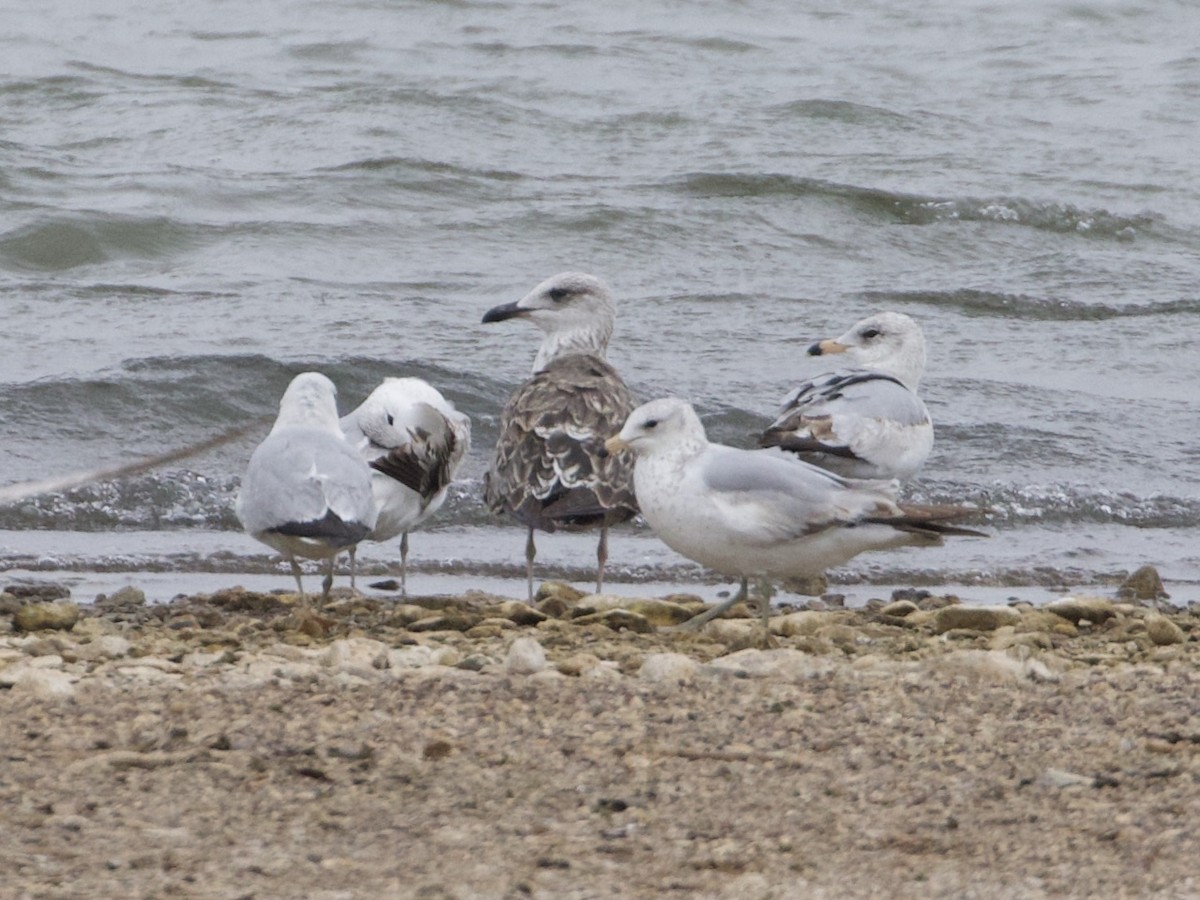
x=198 y=201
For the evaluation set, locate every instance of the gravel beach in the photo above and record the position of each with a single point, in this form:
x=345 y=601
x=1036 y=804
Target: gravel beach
x=239 y=745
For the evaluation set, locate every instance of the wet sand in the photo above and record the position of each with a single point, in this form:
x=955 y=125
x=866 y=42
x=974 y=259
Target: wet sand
x=236 y=744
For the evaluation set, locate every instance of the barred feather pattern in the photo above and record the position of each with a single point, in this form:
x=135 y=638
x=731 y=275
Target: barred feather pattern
x=547 y=471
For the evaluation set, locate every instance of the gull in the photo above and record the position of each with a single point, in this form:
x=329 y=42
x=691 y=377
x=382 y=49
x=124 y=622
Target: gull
x=547 y=471
x=866 y=421
x=306 y=491
x=760 y=513
x=414 y=440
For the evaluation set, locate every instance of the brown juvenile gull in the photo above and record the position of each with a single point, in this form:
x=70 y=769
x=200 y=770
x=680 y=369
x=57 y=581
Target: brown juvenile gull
x=547 y=471
x=760 y=513
x=866 y=421
x=414 y=440
x=306 y=491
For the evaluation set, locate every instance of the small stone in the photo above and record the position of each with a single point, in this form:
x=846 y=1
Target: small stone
x=58 y=614
x=1143 y=584
x=125 y=598
x=618 y=620
x=806 y=622
x=974 y=618
x=48 y=684
x=577 y=664
x=786 y=663
x=557 y=590
x=525 y=657
x=33 y=590
x=1076 y=609
x=669 y=668
x=518 y=613
x=1162 y=631
x=899 y=609
x=450 y=620
x=358 y=656
x=1061 y=778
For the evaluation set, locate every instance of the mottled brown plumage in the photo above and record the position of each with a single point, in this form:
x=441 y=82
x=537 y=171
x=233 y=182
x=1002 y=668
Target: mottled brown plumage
x=546 y=472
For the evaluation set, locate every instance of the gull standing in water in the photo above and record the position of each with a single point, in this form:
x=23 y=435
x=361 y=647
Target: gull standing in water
x=866 y=421
x=414 y=440
x=547 y=470
x=307 y=492
x=760 y=513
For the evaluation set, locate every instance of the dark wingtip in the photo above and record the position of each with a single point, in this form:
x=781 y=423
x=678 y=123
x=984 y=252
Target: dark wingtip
x=815 y=349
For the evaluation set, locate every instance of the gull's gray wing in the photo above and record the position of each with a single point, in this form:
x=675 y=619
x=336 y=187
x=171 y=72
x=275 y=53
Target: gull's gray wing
x=310 y=483
x=771 y=497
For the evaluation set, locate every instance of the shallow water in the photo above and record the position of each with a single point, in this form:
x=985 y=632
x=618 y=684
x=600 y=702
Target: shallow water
x=198 y=202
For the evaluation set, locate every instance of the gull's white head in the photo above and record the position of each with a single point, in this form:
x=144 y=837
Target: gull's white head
x=888 y=342
x=575 y=312
x=660 y=425
x=311 y=400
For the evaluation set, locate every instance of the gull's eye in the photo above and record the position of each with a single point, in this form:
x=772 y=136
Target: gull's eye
x=558 y=295
x=869 y=333
x=391 y=421
x=651 y=424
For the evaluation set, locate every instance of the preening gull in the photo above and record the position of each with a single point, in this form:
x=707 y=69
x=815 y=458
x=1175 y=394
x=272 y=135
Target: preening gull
x=306 y=491
x=547 y=470
x=866 y=421
x=760 y=513
x=414 y=440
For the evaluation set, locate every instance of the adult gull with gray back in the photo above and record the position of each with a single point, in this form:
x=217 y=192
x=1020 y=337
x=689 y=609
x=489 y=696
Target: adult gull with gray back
x=414 y=440
x=547 y=470
x=760 y=513
x=866 y=421
x=306 y=491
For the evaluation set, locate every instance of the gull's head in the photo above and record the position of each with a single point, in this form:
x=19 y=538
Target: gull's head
x=310 y=399
x=888 y=342
x=574 y=310
x=659 y=425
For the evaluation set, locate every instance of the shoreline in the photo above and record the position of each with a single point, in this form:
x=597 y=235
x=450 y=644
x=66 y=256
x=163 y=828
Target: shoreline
x=474 y=746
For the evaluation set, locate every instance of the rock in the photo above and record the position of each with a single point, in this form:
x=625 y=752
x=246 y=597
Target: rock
x=662 y=613
x=618 y=620
x=669 y=668
x=364 y=657
x=995 y=665
x=557 y=590
x=517 y=613
x=577 y=664
x=412 y=657
x=1077 y=609
x=1143 y=584
x=34 y=591
x=899 y=609
x=106 y=646
x=974 y=618
x=785 y=663
x=124 y=599
x=1061 y=778
x=59 y=615
x=450 y=620
x=525 y=657
x=807 y=622
x=48 y=684
x=1162 y=631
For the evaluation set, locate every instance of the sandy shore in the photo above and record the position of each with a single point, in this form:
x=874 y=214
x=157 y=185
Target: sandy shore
x=237 y=745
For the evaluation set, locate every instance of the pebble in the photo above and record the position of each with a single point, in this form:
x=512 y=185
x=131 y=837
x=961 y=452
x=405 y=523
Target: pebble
x=47 y=684
x=784 y=663
x=1077 y=609
x=974 y=618
x=60 y=615
x=1162 y=631
x=525 y=657
x=668 y=668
